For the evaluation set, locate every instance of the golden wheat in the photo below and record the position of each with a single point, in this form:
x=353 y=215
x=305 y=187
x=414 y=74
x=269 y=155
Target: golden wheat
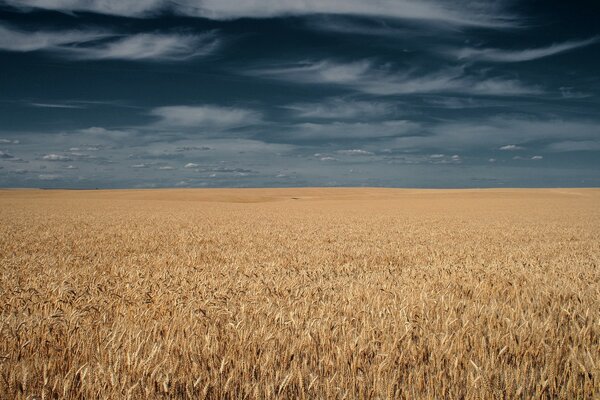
x=300 y=293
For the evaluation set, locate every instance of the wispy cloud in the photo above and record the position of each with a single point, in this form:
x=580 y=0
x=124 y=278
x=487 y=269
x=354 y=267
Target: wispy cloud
x=208 y=117
x=366 y=77
x=355 y=152
x=471 y=13
x=56 y=105
x=6 y=155
x=497 y=55
x=569 y=93
x=376 y=27
x=338 y=108
x=97 y=45
x=137 y=8
x=22 y=41
x=148 y=46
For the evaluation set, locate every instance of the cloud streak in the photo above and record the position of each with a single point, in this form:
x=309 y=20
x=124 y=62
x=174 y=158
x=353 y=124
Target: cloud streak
x=22 y=41
x=364 y=76
x=147 y=46
x=105 y=45
x=338 y=108
x=512 y=56
x=471 y=13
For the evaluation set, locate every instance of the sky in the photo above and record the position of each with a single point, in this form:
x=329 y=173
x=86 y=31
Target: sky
x=287 y=93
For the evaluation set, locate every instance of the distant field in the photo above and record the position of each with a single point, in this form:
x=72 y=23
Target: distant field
x=300 y=293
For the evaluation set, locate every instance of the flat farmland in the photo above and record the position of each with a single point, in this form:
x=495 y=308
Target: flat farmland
x=300 y=293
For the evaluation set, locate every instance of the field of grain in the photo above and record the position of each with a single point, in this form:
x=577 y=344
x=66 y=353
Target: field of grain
x=300 y=293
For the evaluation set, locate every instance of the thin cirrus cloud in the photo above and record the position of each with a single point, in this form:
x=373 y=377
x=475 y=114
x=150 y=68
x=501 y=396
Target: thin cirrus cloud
x=53 y=105
x=366 y=77
x=22 y=41
x=209 y=117
x=98 y=45
x=148 y=46
x=338 y=108
x=511 y=56
x=137 y=8
x=372 y=28
x=471 y=13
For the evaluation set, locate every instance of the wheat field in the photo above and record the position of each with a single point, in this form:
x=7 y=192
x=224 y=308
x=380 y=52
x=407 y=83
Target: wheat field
x=300 y=293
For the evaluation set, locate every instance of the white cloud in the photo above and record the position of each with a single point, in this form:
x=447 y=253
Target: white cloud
x=191 y=166
x=497 y=55
x=49 y=177
x=341 y=109
x=137 y=8
x=205 y=117
x=492 y=160
x=166 y=168
x=96 y=45
x=4 y=154
x=534 y=158
x=355 y=152
x=16 y=40
x=8 y=141
x=511 y=147
x=444 y=159
x=366 y=77
x=140 y=166
x=148 y=46
x=471 y=13
x=56 y=157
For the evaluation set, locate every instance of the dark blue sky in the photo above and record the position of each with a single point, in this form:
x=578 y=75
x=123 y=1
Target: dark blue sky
x=205 y=93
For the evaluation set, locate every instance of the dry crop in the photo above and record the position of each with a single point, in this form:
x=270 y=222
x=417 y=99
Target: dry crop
x=300 y=293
